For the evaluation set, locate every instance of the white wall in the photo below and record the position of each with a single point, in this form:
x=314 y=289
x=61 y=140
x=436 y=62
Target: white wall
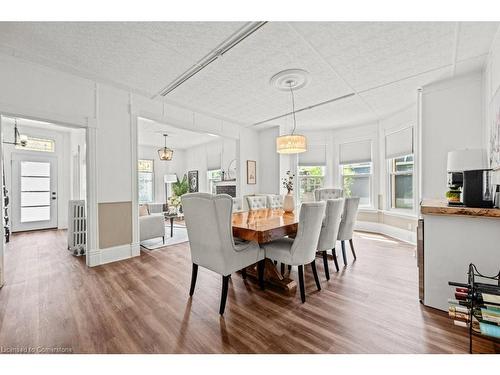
x=491 y=83
x=195 y=159
x=451 y=119
x=268 y=169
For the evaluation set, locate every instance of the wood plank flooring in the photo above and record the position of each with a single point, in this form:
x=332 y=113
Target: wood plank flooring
x=141 y=305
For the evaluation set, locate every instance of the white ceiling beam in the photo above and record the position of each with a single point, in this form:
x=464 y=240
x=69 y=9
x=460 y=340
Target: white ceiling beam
x=332 y=68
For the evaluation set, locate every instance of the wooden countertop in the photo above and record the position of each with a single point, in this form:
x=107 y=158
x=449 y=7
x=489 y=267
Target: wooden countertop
x=440 y=207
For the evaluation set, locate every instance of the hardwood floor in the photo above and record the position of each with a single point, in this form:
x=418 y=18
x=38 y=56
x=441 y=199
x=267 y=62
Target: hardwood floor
x=142 y=305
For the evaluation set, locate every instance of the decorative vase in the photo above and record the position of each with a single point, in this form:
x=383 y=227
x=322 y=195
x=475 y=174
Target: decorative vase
x=289 y=203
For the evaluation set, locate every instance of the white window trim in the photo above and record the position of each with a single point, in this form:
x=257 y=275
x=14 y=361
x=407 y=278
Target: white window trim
x=388 y=206
x=299 y=176
x=153 y=196
x=371 y=206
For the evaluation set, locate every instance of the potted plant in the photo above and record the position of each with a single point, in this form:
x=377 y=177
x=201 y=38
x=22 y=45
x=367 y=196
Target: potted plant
x=180 y=187
x=453 y=195
x=289 y=201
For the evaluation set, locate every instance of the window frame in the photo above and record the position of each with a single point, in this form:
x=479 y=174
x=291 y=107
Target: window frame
x=37 y=139
x=300 y=177
x=211 y=182
x=370 y=205
x=390 y=192
x=152 y=173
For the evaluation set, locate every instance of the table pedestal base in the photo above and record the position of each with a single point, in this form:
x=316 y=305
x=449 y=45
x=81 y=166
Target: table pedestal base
x=273 y=277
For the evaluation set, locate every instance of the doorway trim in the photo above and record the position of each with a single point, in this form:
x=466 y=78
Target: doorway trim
x=90 y=125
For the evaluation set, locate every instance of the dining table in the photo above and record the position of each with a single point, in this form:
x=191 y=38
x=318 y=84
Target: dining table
x=263 y=226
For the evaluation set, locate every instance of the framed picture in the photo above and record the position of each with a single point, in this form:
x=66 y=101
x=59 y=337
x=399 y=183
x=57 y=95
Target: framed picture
x=251 y=172
x=193 y=181
x=494 y=146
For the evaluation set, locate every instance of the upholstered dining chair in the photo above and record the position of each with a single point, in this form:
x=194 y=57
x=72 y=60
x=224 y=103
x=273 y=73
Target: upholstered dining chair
x=237 y=205
x=256 y=202
x=274 y=201
x=324 y=194
x=208 y=222
x=330 y=231
x=347 y=225
x=301 y=250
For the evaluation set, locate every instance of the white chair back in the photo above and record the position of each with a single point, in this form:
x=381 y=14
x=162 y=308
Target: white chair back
x=256 y=202
x=310 y=219
x=324 y=194
x=237 y=205
x=208 y=222
x=331 y=224
x=348 y=219
x=274 y=201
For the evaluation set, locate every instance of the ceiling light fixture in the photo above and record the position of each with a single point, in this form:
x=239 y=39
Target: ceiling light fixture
x=292 y=79
x=19 y=139
x=165 y=153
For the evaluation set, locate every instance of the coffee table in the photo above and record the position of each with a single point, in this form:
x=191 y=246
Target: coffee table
x=172 y=216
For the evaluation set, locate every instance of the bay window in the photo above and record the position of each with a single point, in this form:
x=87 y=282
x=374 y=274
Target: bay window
x=401 y=182
x=310 y=179
x=357 y=181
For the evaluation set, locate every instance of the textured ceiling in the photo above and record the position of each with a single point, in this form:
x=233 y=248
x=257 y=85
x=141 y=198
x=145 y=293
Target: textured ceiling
x=383 y=63
x=151 y=134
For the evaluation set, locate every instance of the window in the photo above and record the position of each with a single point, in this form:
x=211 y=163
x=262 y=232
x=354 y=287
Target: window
x=356 y=180
x=146 y=180
x=310 y=179
x=38 y=144
x=401 y=182
x=213 y=176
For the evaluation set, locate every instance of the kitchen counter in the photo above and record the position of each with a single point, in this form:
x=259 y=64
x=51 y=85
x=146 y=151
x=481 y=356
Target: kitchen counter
x=451 y=238
x=440 y=207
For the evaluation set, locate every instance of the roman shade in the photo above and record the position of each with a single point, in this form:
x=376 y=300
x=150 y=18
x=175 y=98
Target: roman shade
x=315 y=155
x=399 y=143
x=214 y=156
x=355 y=152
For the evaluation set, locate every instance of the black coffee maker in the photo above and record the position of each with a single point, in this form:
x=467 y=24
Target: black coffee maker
x=477 y=188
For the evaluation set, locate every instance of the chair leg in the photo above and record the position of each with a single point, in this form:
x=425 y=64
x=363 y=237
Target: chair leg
x=260 y=270
x=343 y=252
x=352 y=249
x=334 y=254
x=194 y=274
x=315 y=273
x=325 y=265
x=282 y=269
x=301 y=284
x=225 y=286
x=289 y=268
x=244 y=273
x=164 y=240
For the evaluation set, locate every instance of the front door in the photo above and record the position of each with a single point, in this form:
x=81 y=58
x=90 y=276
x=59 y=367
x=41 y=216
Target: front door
x=34 y=192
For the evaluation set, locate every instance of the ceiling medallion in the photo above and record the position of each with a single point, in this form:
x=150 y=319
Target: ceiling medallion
x=290 y=80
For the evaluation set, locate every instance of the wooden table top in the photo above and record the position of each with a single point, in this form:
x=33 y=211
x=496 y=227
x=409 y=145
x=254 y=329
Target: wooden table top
x=440 y=207
x=264 y=225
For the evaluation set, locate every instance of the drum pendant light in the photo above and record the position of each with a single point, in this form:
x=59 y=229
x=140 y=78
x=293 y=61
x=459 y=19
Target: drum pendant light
x=291 y=143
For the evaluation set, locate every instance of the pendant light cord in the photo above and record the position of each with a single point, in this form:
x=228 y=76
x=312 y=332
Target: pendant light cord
x=293 y=108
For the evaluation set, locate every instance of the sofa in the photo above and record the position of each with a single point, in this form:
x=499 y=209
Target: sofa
x=151 y=222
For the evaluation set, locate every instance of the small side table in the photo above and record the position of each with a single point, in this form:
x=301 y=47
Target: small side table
x=171 y=217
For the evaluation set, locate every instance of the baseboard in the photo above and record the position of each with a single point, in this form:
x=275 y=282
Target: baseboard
x=113 y=254
x=388 y=230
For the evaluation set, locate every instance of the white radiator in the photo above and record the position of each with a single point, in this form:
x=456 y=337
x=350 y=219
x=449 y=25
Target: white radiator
x=77 y=227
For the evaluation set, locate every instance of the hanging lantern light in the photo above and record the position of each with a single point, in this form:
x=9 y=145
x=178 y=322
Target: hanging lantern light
x=165 y=153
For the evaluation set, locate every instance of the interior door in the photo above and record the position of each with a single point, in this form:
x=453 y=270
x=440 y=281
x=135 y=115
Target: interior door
x=34 y=192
